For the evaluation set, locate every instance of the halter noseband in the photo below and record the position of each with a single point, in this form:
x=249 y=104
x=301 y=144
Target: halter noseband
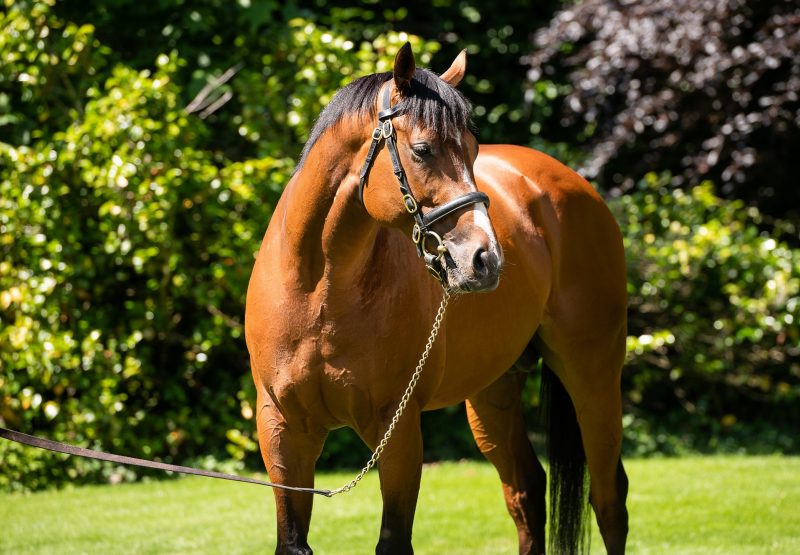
x=422 y=222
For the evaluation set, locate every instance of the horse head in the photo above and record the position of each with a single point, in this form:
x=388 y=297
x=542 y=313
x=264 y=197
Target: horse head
x=424 y=122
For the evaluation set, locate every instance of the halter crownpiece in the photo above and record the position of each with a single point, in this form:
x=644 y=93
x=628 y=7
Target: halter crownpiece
x=421 y=233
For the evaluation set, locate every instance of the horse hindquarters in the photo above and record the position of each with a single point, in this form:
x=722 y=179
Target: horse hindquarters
x=581 y=335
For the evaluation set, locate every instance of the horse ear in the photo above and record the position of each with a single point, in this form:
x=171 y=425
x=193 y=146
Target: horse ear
x=404 y=67
x=458 y=68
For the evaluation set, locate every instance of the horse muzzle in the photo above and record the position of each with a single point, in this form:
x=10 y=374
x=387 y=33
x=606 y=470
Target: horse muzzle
x=473 y=267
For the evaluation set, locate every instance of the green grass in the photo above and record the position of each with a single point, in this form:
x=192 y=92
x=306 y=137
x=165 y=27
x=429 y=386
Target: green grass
x=730 y=505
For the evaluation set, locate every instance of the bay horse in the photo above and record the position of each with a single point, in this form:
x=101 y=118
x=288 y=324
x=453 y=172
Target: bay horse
x=339 y=308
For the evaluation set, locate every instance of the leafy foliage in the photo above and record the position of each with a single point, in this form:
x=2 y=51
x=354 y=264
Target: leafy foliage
x=714 y=345
x=286 y=65
x=128 y=237
x=707 y=90
x=494 y=38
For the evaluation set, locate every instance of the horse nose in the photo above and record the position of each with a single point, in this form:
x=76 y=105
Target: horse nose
x=485 y=264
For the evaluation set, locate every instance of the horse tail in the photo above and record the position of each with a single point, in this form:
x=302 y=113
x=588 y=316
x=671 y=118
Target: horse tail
x=569 y=507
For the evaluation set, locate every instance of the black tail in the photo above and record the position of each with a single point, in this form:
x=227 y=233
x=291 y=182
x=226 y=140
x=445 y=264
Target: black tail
x=569 y=507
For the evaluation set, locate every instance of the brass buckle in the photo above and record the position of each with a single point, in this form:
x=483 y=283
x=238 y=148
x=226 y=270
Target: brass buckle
x=377 y=133
x=410 y=203
x=416 y=234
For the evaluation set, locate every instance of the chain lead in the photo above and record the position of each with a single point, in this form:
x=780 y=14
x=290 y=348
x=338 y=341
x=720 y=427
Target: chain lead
x=437 y=323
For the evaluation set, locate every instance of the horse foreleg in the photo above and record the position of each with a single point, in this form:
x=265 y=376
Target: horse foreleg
x=495 y=416
x=400 y=470
x=289 y=453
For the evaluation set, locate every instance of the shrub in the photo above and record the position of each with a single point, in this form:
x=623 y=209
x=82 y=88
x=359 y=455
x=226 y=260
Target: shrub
x=704 y=89
x=714 y=343
x=127 y=238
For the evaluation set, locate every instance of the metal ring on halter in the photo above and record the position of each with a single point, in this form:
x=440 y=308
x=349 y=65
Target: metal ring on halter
x=440 y=248
x=434 y=263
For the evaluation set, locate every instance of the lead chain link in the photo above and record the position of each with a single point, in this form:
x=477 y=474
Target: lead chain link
x=437 y=323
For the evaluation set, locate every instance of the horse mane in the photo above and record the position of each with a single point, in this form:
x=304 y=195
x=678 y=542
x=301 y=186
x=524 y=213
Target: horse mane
x=429 y=102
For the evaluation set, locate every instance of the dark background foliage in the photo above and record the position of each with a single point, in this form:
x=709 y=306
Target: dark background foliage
x=708 y=90
x=143 y=145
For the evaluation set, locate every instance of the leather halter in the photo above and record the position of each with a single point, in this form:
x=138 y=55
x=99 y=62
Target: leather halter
x=422 y=231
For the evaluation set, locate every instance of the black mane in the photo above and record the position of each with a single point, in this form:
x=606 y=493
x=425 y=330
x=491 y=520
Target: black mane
x=430 y=103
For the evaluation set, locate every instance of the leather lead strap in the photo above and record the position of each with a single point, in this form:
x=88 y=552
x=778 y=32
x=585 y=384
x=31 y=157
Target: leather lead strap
x=50 y=445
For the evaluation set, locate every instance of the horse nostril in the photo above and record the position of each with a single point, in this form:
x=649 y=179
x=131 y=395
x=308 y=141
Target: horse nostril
x=479 y=262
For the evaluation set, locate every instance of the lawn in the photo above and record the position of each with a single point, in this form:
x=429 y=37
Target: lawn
x=730 y=505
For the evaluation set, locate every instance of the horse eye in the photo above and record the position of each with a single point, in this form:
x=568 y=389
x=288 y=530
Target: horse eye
x=421 y=149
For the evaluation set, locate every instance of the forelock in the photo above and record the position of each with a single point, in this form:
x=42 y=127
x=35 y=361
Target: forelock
x=432 y=104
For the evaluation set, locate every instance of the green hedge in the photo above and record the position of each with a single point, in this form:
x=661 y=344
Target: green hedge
x=714 y=341
x=128 y=238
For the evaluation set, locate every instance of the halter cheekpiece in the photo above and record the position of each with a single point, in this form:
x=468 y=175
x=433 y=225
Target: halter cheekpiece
x=433 y=255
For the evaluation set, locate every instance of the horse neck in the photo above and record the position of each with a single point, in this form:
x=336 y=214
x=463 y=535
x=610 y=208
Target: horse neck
x=329 y=237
